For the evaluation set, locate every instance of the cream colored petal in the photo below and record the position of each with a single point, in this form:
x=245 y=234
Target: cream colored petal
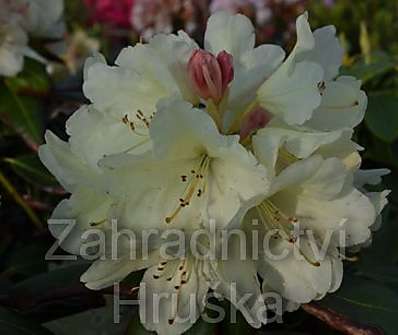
x=232 y=33
x=172 y=306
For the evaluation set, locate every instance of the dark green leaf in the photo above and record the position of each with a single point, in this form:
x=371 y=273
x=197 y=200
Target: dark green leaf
x=385 y=275
x=135 y=327
x=366 y=302
x=33 y=80
x=27 y=260
x=384 y=248
x=31 y=169
x=12 y=323
x=380 y=64
x=23 y=113
x=51 y=280
x=382 y=116
x=234 y=323
x=202 y=327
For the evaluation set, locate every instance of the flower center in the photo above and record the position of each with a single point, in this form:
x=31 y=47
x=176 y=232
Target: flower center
x=179 y=275
x=283 y=225
x=285 y=159
x=274 y=219
x=195 y=186
x=140 y=122
x=256 y=119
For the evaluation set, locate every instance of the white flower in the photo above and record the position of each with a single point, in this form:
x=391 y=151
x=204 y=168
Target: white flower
x=378 y=199
x=192 y=175
x=13 y=42
x=313 y=195
x=343 y=104
x=74 y=164
x=155 y=186
x=183 y=284
x=19 y=18
x=44 y=18
x=147 y=72
x=179 y=137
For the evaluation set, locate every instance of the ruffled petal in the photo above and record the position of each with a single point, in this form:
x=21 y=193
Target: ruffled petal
x=294 y=277
x=292 y=91
x=105 y=273
x=84 y=208
x=254 y=67
x=240 y=285
x=292 y=95
x=90 y=133
x=68 y=168
x=194 y=174
x=232 y=33
x=171 y=306
x=327 y=51
x=343 y=105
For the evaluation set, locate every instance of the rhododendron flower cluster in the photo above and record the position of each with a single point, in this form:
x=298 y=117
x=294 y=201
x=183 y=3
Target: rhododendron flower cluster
x=231 y=137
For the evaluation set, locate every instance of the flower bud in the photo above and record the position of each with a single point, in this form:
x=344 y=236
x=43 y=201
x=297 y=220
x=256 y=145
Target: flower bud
x=256 y=119
x=227 y=68
x=210 y=75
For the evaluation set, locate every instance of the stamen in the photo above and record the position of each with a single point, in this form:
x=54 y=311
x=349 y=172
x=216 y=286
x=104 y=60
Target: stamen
x=196 y=185
x=274 y=219
x=182 y=271
x=321 y=87
x=142 y=122
x=285 y=159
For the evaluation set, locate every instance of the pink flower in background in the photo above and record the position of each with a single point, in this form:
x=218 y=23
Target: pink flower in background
x=149 y=17
x=270 y=17
x=259 y=7
x=113 y=12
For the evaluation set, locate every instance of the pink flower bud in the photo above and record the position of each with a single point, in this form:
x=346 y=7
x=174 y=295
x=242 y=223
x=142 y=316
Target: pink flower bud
x=256 y=119
x=210 y=75
x=227 y=68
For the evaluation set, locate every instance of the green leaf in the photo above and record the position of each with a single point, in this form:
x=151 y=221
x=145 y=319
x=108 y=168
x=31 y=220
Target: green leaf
x=385 y=275
x=382 y=116
x=199 y=328
x=33 y=80
x=135 y=326
x=234 y=322
x=12 y=323
x=55 y=294
x=384 y=248
x=27 y=259
x=55 y=279
x=367 y=302
x=380 y=64
x=30 y=168
x=202 y=328
x=23 y=113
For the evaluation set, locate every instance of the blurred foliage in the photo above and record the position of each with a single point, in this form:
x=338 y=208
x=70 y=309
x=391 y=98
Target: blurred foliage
x=33 y=291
